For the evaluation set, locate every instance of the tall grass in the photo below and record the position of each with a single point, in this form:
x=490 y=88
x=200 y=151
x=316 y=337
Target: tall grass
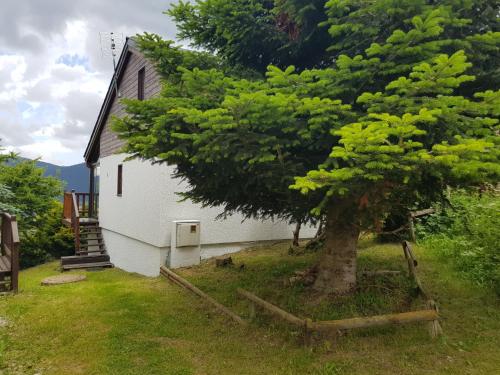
x=466 y=234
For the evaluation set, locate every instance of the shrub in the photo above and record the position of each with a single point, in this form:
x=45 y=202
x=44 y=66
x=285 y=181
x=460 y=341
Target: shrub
x=49 y=240
x=32 y=196
x=466 y=233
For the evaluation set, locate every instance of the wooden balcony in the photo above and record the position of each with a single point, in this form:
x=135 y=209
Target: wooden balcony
x=85 y=204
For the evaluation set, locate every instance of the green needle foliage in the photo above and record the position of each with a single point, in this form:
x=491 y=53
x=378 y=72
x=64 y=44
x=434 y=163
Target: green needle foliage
x=408 y=105
x=32 y=197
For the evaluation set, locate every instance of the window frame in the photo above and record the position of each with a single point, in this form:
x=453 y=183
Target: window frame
x=141 y=82
x=119 y=181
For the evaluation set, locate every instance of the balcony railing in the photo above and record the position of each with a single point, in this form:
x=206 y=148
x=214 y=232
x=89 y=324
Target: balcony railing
x=86 y=205
x=78 y=206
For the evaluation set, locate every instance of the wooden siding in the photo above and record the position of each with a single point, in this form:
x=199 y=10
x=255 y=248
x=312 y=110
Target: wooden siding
x=128 y=86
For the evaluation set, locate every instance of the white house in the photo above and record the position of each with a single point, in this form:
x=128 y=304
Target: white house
x=142 y=222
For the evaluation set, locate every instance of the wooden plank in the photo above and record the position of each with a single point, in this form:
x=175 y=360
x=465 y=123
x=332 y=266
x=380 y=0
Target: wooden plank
x=186 y=284
x=10 y=247
x=14 y=277
x=409 y=252
x=83 y=259
x=87 y=265
x=67 y=202
x=412 y=268
x=275 y=310
x=375 y=321
x=4 y=264
x=7 y=251
x=434 y=326
x=411 y=226
x=427 y=211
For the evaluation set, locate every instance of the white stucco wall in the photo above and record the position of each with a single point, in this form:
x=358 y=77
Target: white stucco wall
x=149 y=205
x=133 y=255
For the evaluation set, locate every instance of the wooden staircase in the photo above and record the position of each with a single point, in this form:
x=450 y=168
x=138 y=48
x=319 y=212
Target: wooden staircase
x=90 y=250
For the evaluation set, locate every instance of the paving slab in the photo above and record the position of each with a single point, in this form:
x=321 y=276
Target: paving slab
x=63 y=279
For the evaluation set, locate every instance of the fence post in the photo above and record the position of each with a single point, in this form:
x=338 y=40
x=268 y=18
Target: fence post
x=307 y=332
x=14 y=277
x=412 y=227
x=434 y=326
x=251 y=308
x=2 y=235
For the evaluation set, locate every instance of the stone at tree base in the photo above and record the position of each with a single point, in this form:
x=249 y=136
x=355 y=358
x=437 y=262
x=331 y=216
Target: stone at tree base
x=223 y=261
x=63 y=279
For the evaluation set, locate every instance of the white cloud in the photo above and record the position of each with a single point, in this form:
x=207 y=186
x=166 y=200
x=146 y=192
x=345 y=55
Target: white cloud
x=12 y=70
x=53 y=76
x=49 y=149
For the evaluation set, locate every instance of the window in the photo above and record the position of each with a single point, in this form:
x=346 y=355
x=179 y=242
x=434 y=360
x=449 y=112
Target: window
x=119 y=181
x=141 y=75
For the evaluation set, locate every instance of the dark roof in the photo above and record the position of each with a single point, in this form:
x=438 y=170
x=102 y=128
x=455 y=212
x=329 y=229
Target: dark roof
x=91 y=154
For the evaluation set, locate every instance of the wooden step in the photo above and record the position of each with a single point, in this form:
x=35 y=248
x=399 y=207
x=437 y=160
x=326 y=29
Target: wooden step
x=90 y=230
x=96 y=235
x=85 y=222
x=87 y=265
x=96 y=246
x=92 y=247
x=92 y=252
x=82 y=259
x=96 y=238
x=92 y=244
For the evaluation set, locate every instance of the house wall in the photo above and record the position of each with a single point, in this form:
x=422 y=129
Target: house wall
x=148 y=206
x=109 y=142
x=133 y=255
x=137 y=225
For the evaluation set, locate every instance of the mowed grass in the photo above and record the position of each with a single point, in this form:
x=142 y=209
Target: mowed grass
x=121 y=323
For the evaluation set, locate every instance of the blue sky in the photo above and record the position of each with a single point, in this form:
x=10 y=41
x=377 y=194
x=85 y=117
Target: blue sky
x=54 y=72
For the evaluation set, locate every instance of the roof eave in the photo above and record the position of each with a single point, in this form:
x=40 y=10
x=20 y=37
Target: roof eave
x=92 y=148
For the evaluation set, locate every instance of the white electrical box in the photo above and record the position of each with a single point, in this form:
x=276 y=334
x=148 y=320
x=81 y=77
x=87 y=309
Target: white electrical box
x=185 y=245
x=188 y=234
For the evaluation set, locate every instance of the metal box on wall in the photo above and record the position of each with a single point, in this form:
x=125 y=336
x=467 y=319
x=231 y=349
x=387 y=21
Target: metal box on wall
x=188 y=234
x=185 y=244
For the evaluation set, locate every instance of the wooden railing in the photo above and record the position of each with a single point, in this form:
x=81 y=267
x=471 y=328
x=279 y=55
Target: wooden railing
x=9 y=247
x=71 y=213
x=86 y=204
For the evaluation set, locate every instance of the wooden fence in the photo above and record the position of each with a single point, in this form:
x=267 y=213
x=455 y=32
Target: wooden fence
x=430 y=314
x=9 y=248
x=176 y=279
x=334 y=326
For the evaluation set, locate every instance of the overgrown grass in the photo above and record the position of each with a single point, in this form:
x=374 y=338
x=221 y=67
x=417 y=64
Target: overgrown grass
x=119 y=323
x=466 y=235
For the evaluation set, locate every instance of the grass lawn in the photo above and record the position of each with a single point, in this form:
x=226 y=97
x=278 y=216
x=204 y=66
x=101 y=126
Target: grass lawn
x=120 y=323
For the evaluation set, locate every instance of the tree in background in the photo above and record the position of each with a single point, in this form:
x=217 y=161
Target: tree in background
x=6 y=196
x=400 y=113
x=34 y=199
x=254 y=33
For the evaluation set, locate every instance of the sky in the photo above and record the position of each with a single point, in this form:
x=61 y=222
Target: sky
x=54 y=73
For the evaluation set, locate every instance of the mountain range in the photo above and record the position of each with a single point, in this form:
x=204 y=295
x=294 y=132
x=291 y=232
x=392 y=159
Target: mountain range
x=74 y=176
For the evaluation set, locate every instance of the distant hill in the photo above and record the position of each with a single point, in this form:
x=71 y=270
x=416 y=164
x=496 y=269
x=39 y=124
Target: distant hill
x=74 y=176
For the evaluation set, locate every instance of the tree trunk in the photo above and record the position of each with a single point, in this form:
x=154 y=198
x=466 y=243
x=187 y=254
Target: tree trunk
x=337 y=266
x=296 y=234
